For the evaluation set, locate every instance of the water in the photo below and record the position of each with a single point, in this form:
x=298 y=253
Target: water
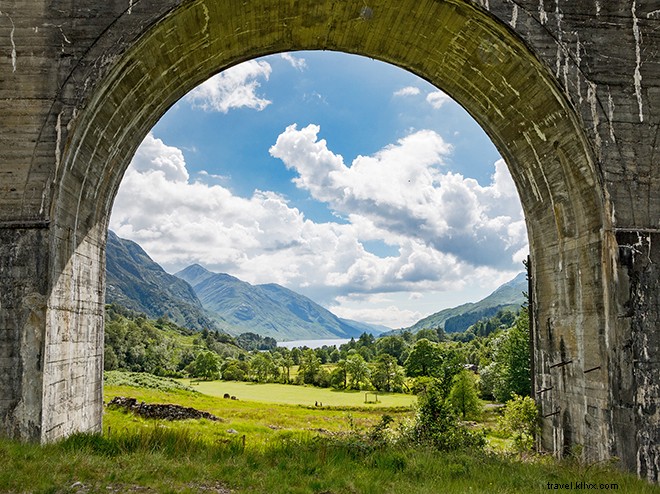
x=312 y=343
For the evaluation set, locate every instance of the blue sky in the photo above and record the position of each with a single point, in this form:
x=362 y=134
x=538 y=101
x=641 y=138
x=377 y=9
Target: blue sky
x=346 y=179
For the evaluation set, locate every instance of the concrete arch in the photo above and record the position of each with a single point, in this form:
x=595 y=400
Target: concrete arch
x=457 y=45
x=454 y=45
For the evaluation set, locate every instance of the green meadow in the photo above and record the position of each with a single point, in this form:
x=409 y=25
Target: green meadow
x=300 y=395
x=267 y=442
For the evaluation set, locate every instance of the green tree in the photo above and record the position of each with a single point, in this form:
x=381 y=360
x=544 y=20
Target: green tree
x=429 y=359
x=110 y=360
x=386 y=375
x=335 y=356
x=296 y=355
x=286 y=362
x=429 y=334
x=366 y=339
x=512 y=360
x=463 y=395
x=310 y=367
x=487 y=377
x=235 y=370
x=263 y=367
x=205 y=366
x=339 y=376
x=436 y=424
x=393 y=345
x=423 y=359
x=358 y=369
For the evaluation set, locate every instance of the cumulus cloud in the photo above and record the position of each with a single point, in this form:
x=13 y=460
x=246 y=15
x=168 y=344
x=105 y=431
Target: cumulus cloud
x=235 y=87
x=436 y=99
x=298 y=63
x=407 y=91
x=401 y=193
x=154 y=156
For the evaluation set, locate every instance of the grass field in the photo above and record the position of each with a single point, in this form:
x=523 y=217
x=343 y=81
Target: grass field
x=299 y=395
x=258 y=421
x=271 y=448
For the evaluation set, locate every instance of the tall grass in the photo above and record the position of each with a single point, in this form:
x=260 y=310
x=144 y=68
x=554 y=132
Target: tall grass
x=172 y=461
x=274 y=449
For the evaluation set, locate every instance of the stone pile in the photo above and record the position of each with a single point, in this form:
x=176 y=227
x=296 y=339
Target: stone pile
x=160 y=411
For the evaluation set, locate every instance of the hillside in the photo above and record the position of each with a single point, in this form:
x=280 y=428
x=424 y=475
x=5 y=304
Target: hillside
x=457 y=319
x=136 y=282
x=268 y=310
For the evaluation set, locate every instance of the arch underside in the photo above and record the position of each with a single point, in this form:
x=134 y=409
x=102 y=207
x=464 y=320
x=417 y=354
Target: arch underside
x=456 y=46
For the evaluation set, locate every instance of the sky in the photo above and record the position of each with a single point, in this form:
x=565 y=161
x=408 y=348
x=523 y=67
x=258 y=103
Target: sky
x=343 y=178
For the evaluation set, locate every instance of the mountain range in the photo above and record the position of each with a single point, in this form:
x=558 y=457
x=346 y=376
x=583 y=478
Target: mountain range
x=269 y=310
x=198 y=298
x=457 y=319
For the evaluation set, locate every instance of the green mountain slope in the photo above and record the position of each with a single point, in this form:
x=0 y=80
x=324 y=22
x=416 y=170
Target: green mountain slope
x=135 y=281
x=457 y=319
x=268 y=310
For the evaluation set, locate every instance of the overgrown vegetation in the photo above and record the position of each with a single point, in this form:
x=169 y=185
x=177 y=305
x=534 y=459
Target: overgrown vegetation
x=521 y=420
x=280 y=449
x=143 y=380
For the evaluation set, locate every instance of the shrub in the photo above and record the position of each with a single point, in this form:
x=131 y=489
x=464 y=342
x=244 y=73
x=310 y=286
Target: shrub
x=521 y=418
x=436 y=424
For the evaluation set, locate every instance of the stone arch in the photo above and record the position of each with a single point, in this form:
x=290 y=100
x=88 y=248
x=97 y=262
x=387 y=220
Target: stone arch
x=457 y=46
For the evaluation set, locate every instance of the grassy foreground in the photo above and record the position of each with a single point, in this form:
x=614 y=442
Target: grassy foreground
x=270 y=448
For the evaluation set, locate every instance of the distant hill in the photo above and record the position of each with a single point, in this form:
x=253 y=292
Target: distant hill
x=136 y=282
x=374 y=329
x=458 y=319
x=268 y=310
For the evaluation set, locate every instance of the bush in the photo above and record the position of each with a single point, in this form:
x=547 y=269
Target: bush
x=521 y=418
x=436 y=424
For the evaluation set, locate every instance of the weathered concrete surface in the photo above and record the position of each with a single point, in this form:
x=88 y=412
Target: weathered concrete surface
x=568 y=91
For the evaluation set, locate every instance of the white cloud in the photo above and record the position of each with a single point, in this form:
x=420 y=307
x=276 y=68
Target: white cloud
x=401 y=193
x=407 y=91
x=390 y=315
x=215 y=176
x=436 y=99
x=298 y=63
x=235 y=87
x=156 y=157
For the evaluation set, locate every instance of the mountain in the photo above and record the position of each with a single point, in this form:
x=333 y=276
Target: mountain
x=458 y=319
x=268 y=310
x=135 y=281
x=374 y=329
